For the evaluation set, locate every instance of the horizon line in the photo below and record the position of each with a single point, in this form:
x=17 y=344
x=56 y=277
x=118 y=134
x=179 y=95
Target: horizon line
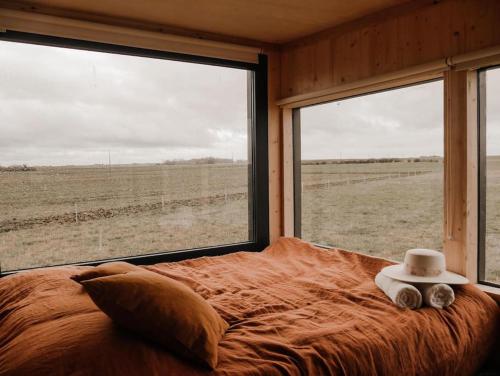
x=221 y=161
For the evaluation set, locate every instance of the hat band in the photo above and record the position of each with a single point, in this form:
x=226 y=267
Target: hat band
x=422 y=271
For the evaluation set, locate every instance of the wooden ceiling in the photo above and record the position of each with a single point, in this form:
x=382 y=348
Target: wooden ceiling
x=270 y=21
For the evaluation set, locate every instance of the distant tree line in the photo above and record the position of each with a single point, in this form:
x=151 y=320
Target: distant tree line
x=198 y=161
x=371 y=160
x=17 y=168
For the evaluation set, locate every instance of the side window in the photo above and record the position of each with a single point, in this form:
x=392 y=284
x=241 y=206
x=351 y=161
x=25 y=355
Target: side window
x=489 y=227
x=371 y=171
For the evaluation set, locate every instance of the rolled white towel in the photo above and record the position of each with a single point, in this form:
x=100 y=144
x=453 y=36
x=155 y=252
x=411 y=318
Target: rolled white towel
x=402 y=294
x=437 y=295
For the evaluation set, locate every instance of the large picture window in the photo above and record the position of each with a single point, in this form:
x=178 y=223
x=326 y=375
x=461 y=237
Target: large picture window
x=371 y=171
x=489 y=175
x=109 y=155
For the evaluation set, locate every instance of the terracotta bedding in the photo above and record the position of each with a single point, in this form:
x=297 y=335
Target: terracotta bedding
x=294 y=309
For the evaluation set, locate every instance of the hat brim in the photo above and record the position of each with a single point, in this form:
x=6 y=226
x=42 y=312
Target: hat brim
x=398 y=272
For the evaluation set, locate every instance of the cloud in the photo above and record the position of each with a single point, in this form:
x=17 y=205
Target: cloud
x=63 y=106
x=395 y=123
x=493 y=111
x=72 y=105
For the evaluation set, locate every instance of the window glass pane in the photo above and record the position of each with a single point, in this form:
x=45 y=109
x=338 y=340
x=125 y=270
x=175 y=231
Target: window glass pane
x=492 y=243
x=107 y=155
x=372 y=171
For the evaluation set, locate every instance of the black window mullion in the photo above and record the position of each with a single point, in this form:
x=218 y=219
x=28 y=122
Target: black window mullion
x=260 y=158
x=481 y=101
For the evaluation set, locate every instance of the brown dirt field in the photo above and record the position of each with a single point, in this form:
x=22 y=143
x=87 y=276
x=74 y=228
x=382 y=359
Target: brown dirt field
x=57 y=215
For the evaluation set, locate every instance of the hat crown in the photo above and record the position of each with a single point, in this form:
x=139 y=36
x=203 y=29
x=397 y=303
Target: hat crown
x=424 y=262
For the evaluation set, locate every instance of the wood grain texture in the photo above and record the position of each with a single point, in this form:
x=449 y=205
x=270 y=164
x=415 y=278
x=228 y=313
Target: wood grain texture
x=272 y=21
x=30 y=22
x=472 y=203
x=455 y=175
x=408 y=76
x=288 y=175
x=275 y=169
x=460 y=178
x=389 y=41
x=130 y=23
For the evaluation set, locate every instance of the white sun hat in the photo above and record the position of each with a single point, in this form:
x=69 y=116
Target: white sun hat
x=423 y=266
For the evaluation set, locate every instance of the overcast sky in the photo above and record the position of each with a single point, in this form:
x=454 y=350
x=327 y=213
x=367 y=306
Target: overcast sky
x=61 y=106
x=493 y=111
x=406 y=122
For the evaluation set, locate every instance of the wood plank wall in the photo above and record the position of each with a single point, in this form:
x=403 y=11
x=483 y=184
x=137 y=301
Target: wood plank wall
x=275 y=146
x=419 y=32
x=460 y=177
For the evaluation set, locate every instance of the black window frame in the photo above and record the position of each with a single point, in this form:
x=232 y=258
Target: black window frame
x=258 y=142
x=481 y=177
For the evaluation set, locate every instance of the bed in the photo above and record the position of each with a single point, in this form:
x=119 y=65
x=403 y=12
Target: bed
x=293 y=309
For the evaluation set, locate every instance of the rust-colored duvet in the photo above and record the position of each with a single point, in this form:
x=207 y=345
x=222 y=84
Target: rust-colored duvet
x=293 y=309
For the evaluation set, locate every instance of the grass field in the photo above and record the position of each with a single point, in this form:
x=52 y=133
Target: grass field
x=55 y=215
x=493 y=219
x=380 y=209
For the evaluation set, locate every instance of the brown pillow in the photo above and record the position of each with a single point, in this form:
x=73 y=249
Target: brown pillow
x=163 y=310
x=103 y=270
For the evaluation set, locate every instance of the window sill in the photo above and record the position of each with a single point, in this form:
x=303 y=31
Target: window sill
x=494 y=292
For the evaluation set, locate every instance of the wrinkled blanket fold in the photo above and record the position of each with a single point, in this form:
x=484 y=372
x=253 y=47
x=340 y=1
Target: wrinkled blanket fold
x=293 y=309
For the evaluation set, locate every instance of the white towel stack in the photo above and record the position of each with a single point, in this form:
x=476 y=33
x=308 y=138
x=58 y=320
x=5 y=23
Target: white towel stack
x=404 y=295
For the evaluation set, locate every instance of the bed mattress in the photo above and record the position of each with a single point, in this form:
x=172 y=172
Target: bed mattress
x=293 y=309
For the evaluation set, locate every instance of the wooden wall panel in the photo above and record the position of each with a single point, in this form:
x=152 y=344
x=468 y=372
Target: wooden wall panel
x=387 y=42
x=472 y=195
x=275 y=160
x=455 y=175
x=274 y=21
x=460 y=178
x=288 y=177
